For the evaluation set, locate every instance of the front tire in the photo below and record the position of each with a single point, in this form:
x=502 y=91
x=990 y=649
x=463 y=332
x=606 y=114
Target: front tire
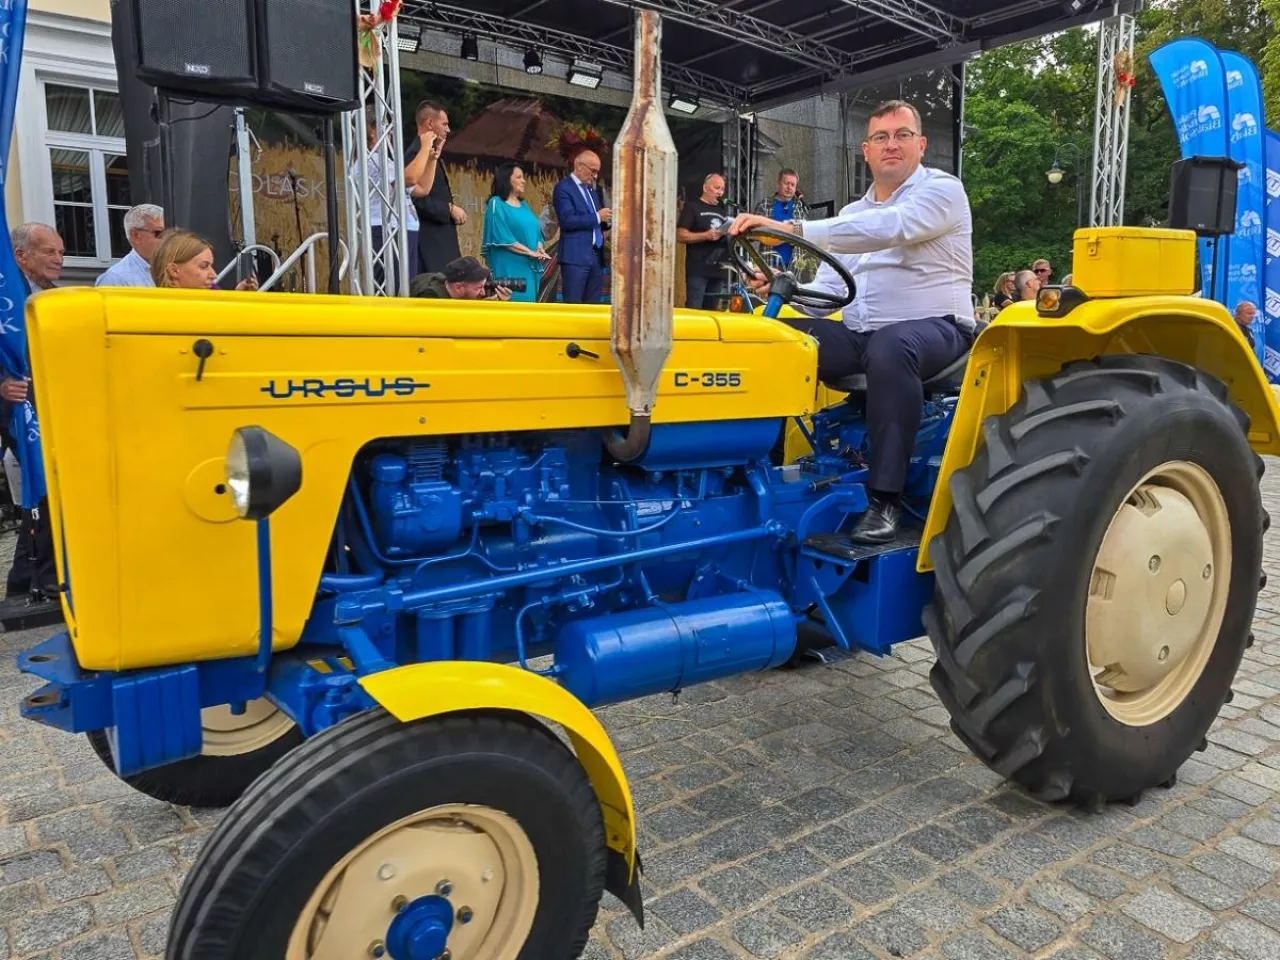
x=1096 y=581
x=238 y=748
x=374 y=817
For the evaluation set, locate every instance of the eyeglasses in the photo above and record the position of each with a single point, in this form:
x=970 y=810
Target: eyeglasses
x=155 y=233
x=899 y=136
x=1041 y=270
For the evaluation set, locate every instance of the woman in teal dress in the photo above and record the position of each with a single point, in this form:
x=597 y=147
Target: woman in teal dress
x=512 y=241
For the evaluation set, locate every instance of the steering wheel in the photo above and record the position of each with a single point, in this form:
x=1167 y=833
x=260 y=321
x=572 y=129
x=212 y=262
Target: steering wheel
x=785 y=288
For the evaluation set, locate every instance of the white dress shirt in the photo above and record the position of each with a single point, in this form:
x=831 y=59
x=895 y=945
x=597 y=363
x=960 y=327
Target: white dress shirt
x=910 y=255
x=376 y=183
x=130 y=271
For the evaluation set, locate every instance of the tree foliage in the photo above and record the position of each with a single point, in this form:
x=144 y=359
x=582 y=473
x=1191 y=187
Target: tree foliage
x=1029 y=100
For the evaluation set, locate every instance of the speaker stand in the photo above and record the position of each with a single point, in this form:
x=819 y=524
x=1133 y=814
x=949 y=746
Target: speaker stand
x=331 y=203
x=164 y=121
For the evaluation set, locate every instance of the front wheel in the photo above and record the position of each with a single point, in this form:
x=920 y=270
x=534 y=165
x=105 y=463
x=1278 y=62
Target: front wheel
x=1096 y=581
x=472 y=834
x=238 y=748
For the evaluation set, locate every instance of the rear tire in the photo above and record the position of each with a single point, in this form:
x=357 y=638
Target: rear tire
x=1022 y=597
x=234 y=757
x=279 y=867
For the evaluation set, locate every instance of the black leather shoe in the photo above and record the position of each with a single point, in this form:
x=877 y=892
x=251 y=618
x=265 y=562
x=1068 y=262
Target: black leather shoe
x=879 y=524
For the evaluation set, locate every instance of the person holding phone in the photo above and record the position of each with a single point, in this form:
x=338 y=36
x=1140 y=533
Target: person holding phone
x=700 y=228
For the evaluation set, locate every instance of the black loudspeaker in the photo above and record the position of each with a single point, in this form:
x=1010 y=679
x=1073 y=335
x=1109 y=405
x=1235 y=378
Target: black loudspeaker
x=289 y=55
x=203 y=49
x=307 y=54
x=1202 y=195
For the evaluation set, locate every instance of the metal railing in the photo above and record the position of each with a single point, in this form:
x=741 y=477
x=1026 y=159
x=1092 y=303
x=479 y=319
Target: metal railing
x=307 y=249
x=251 y=248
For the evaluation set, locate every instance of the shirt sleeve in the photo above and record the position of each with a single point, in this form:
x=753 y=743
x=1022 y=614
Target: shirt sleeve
x=930 y=209
x=687 y=216
x=497 y=231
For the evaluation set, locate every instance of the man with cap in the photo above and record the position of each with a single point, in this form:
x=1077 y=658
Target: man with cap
x=462 y=279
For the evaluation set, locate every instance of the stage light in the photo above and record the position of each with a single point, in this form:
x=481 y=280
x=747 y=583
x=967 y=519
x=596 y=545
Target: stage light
x=532 y=61
x=683 y=104
x=470 y=47
x=408 y=37
x=584 y=73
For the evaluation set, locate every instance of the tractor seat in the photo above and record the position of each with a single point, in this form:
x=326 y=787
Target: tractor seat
x=947 y=376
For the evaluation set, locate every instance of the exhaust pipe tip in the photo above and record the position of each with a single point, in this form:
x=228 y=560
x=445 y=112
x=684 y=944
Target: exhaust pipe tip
x=632 y=446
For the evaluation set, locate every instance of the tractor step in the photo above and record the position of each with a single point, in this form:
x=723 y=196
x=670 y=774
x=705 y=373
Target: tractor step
x=839 y=546
x=21 y=613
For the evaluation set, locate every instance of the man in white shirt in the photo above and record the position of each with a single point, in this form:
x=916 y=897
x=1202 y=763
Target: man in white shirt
x=908 y=245
x=144 y=226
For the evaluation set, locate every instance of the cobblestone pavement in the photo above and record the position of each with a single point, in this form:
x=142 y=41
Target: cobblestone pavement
x=825 y=813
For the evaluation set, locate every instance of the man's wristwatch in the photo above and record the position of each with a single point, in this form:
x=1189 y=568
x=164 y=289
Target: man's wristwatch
x=797 y=227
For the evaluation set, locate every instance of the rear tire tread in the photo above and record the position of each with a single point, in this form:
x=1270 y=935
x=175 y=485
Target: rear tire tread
x=970 y=553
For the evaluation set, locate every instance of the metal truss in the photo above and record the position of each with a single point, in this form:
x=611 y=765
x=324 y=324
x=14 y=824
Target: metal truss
x=916 y=16
x=384 y=270
x=514 y=33
x=1111 y=125
x=714 y=18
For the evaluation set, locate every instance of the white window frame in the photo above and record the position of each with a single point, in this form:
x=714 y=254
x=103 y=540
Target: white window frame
x=76 y=53
x=97 y=147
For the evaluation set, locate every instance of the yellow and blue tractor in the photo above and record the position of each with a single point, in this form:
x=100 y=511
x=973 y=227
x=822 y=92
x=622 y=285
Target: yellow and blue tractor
x=471 y=523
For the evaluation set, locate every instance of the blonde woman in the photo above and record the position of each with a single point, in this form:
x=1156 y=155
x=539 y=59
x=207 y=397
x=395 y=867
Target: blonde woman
x=185 y=260
x=1004 y=294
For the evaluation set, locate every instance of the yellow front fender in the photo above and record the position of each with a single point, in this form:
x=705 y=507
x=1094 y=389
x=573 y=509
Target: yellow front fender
x=433 y=689
x=1021 y=345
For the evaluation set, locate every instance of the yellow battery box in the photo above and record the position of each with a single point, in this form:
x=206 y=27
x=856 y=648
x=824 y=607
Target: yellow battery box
x=1134 y=261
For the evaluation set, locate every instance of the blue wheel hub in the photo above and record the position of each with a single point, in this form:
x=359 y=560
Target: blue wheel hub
x=421 y=930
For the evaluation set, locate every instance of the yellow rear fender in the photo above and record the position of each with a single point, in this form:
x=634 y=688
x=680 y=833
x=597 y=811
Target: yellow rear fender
x=1020 y=345
x=434 y=689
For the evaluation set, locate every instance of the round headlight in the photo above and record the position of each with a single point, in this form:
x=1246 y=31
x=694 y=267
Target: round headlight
x=262 y=472
x=238 y=479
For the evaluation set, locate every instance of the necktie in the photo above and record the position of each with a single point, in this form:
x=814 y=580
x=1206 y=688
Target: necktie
x=598 y=236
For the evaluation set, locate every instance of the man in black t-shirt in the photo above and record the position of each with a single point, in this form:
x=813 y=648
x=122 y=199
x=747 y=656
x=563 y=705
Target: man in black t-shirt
x=701 y=228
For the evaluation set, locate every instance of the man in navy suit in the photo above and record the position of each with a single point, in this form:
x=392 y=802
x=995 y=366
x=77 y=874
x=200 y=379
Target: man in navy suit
x=582 y=225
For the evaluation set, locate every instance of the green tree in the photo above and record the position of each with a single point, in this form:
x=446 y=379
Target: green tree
x=1028 y=98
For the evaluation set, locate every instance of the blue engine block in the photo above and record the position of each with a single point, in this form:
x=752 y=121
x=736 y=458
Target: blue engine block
x=617 y=581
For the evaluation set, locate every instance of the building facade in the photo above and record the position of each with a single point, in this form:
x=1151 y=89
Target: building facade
x=67 y=164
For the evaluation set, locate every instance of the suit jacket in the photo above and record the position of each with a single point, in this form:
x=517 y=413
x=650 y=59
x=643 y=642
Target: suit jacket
x=437 y=233
x=578 y=224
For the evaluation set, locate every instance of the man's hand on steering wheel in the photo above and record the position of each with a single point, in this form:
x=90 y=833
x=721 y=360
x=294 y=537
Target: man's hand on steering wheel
x=749 y=221
x=782 y=285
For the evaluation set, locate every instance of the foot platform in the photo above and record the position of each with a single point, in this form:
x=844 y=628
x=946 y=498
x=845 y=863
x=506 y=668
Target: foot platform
x=840 y=547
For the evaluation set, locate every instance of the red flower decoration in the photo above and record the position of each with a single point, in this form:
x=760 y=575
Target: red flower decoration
x=388 y=10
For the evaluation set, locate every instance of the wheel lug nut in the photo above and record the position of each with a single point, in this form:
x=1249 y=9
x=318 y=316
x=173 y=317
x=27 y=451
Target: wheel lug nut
x=444 y=888
x=1163 y=655
x=1153 y=564
x=386 y=871
x=399 y=903
x=465 y=915
x=377 y=949
x=1208 y=572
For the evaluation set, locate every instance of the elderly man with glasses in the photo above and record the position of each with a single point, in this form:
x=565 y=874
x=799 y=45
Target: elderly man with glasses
x=909 y=245
x=144 y=226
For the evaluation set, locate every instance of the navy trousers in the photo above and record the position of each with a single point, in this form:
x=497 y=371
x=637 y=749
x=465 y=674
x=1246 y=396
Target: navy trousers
x=897 y=359
x=582 y=283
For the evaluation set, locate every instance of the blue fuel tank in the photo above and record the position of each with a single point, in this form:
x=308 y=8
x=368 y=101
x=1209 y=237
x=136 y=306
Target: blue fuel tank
x=667 y=646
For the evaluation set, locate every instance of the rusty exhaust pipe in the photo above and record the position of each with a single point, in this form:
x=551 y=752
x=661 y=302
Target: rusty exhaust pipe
x=644 y=242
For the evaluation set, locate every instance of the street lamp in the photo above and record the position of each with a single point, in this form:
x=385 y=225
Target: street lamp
x=1055 y=174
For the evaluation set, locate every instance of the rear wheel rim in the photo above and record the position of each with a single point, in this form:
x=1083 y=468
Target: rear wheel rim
x=228 y=734
x=480 y=859
x=1158 y=593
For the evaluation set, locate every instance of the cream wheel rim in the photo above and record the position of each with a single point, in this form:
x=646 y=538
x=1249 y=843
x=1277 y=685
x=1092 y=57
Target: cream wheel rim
x=479 y=858
x=1158 y=593
x=228 y=734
